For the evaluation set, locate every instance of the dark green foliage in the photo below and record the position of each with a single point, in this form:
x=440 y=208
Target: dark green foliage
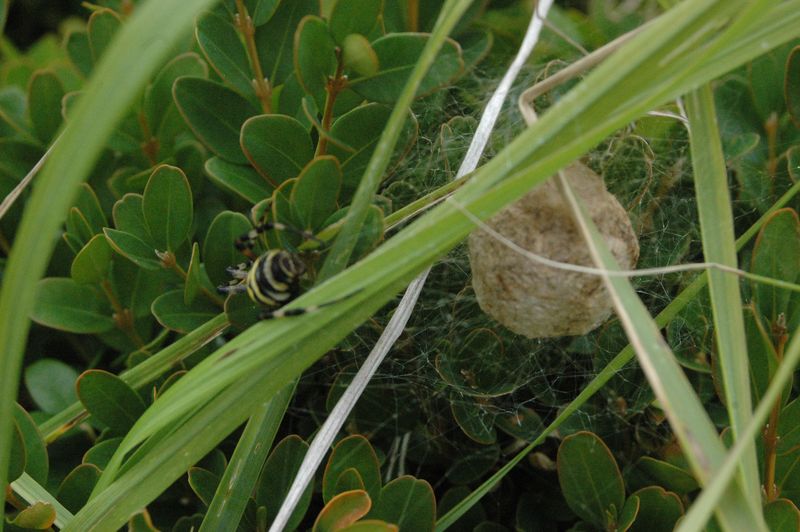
x=216 y=145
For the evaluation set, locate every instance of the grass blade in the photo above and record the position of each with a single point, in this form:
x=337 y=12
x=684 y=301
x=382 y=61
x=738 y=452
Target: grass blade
x=716 y=229
x=690 y=423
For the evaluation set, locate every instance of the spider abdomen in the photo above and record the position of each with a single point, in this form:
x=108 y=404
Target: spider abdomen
x=274 y=278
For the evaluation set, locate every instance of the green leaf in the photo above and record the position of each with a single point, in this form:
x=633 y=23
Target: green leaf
x=129 y=218
x=277 y=476
x=109 y=399
x=397 y=54
x=628 y=514
x=239 y=179
x=171 y=312
x=369 y=525
x=782 y=516
x=590 y=479
x=356 y=452
x=93 y=263
x=776 y=254
x=44 y=104
x=16 y=456
x=283 y=211
x=51 y=384
x=17 y=157
x=36 y=461
x=316 y=192
x=38 y=516
x=524 y=424
x=470 y=467
x=343 y=510
x=158 y=101
x=767 y=81
x=356 y=134
x=167 y=207
x=76 y=487
x=204 y=483
x=218 y=246
x=407 y=502
x=63 y=304
x=215 y=114
x=476 y=422
x=133 y=248
x=792 y=85
x=80 y=51
x=262 y=10
x=276 y=38
x=348 y=480
x=103 y=24
x=278 y=146
x=475 y=45
x=789 y=428
x=354 y=16
x=102 y=452
x=89 y=206
x=314 y=57
x=659 y=510
x=141 y=522
x=668 y=475
x=358 y=55
x=220 y=42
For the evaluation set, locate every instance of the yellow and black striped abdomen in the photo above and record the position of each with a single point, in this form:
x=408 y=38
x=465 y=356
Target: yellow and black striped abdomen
x=274 y=278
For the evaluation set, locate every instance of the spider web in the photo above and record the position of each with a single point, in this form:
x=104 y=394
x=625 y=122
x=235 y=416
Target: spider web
x=457 y=382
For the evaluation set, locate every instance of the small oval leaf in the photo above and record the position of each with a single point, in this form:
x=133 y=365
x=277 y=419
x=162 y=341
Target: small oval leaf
x=167 y=207
x=277 y=476
x=110 y=400
x=63 y=304
x=278 y=147
x=590 y=479
x=92 y=263
x=343 y=510
x=407 y=502
x=316 y=192
x=219 y=250
x=171 y=312
x=239 y=179
x=356 y=452
x=51 y=384
x=215 y=114
x=221 y=44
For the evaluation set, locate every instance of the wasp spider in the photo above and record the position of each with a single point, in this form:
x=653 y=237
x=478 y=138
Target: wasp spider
x=271 y=279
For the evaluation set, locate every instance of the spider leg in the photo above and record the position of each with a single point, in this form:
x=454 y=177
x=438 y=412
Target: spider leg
x=232 y=288
x=287 y=313
x=247 y=241
x=239 y=271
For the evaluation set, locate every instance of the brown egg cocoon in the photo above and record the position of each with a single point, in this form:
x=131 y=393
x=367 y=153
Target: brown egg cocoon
x=540 y=301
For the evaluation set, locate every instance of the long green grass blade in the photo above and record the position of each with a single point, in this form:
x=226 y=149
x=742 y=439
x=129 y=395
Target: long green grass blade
x=143 y=43
x=236 y=485
x=697 y=516
x=173 y=452
x=690 y=423
x=32 y=492
x=716 y=229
